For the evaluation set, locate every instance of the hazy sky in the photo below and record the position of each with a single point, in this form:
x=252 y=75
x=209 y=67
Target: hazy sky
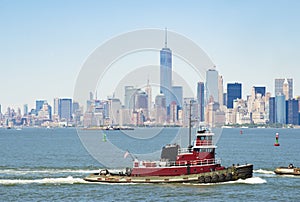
x=43 y=44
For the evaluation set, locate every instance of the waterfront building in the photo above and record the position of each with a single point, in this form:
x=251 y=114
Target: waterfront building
x=44 y=113
x=114 y=111
x=166 y=72
x=238 y=114
x=214 y=115
x=258 y=110
x=65 y=109
x=160 y=109
x=138 y=118
x=292 y=111
x=39 y=105
x=200 y=101
x=234 y=91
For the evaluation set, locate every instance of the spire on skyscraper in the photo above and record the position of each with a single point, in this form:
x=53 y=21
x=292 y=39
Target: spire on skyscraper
x=166 y=38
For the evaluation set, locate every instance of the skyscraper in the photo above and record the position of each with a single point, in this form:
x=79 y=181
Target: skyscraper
x=200 y=100
x=280 y=108
x=25 y=109
x=148 y=90
x=279 y=87
x=55 y=106
x=114 y=110
x=50 y=112
x=75 y=107
x=173 y=112
x=272 y=110
x=260 y=89
x=39 y=105
x=292 y=112
x=220 y=90
x=234 y=91
x=141 y=100
x=177 y=95
x=212 y=87
x=285 y=89
x=166 y=72
x=65 y=109
x=160 y=109
x=130 y=92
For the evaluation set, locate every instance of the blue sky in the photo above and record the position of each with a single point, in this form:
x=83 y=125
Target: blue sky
x=43 y=44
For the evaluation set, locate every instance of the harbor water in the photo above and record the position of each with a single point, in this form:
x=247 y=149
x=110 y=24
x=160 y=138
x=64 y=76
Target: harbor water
x=39 y=164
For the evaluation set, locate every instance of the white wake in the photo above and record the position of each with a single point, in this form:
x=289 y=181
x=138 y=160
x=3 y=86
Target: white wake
x=47 y=171
x=261 y=171
x=61 y=180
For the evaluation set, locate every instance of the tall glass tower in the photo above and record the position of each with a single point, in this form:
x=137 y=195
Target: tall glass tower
x=234 y=91
x=166 y=72
x=212 y=85
x=200 y=100
x=280 y=107
x=65 y=109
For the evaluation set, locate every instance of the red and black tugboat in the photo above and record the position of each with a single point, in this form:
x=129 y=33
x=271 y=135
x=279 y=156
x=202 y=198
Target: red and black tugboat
x=195 y=164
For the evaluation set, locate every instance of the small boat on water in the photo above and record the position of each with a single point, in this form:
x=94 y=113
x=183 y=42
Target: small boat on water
x=290 y=170
x=195 y=164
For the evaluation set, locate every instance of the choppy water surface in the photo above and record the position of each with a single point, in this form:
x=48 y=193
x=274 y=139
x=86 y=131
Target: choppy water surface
x=49 y=164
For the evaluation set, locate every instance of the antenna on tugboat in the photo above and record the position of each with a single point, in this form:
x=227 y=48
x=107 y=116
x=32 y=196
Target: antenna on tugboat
x=190 y=128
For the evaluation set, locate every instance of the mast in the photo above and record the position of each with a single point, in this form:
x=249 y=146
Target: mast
x=190 y=128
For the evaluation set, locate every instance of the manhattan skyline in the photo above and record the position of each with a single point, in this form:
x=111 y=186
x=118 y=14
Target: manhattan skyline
x=44 y=44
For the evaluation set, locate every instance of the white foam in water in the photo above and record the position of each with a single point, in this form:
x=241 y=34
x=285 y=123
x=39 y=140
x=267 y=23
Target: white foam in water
x=263 y=171
x=66 y=180
x=50 y=171
x=252 y=180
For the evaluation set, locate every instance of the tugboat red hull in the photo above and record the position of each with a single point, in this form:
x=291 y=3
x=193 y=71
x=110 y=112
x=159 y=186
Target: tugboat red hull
x=229 y=174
